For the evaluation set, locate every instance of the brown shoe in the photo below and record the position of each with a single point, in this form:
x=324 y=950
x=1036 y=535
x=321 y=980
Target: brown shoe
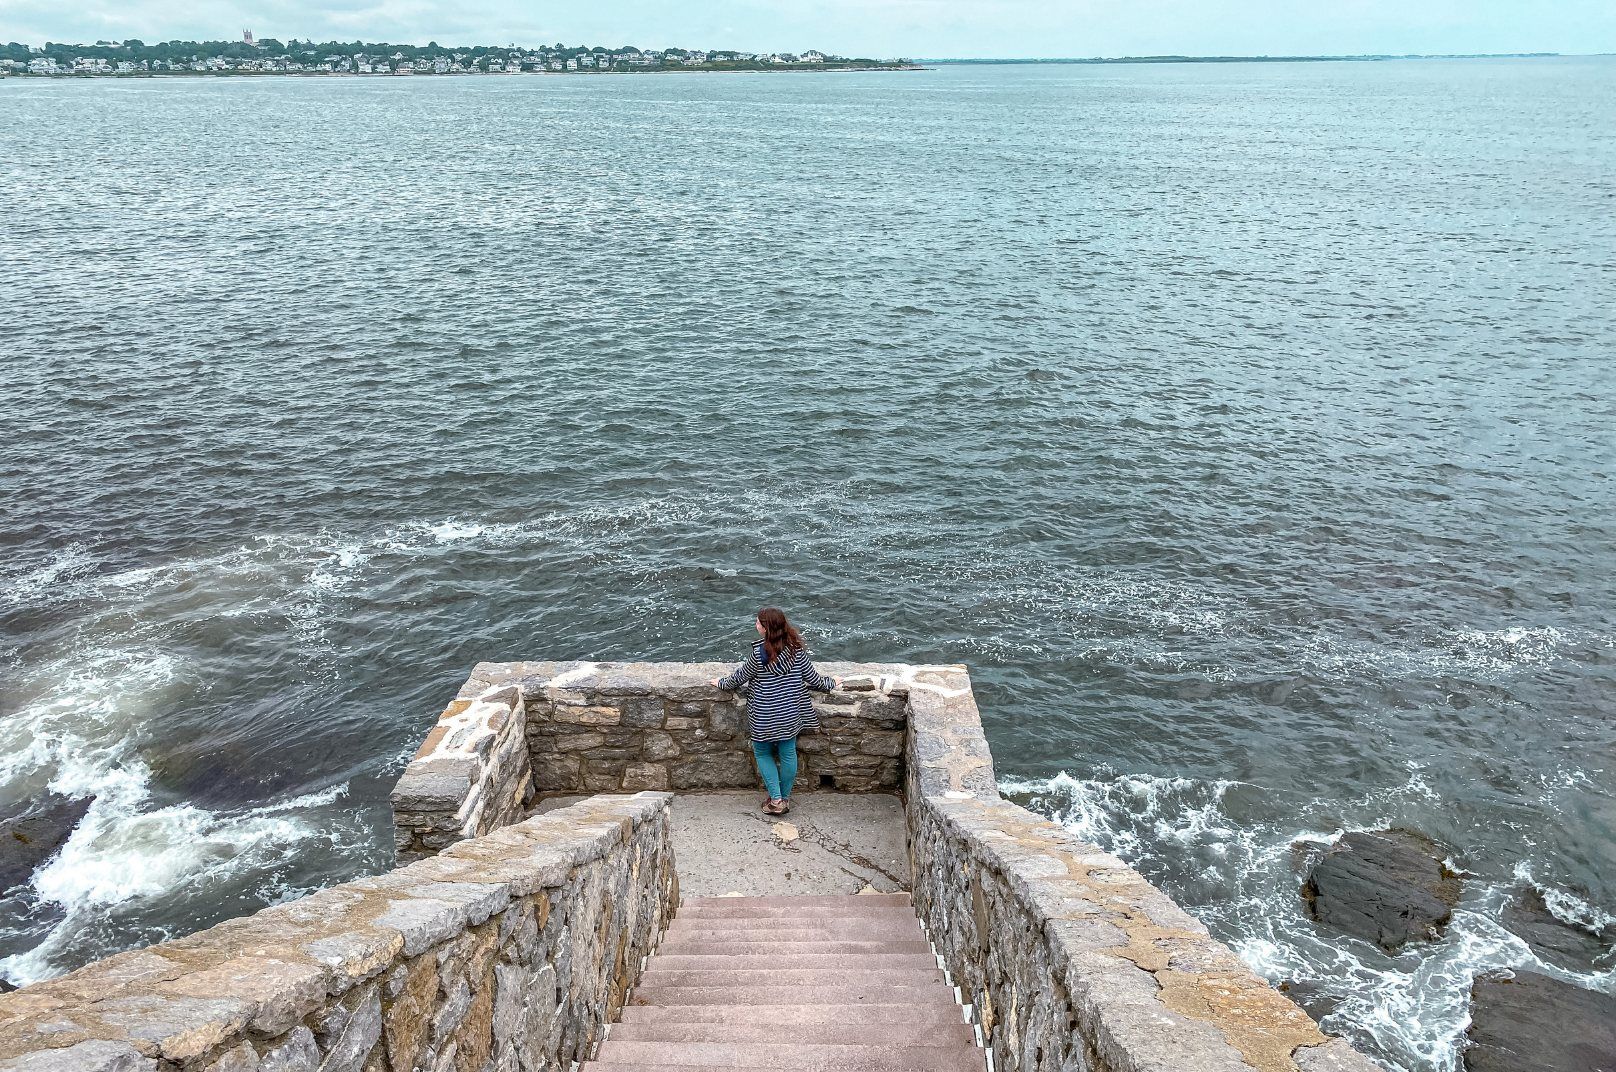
x=784 y=806
x=773 y=807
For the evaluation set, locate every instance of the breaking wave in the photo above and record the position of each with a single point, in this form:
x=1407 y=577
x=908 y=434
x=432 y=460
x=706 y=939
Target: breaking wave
x=1409 y=1010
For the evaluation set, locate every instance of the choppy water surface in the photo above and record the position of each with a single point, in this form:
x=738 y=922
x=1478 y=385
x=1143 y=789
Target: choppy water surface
x=1248 y=430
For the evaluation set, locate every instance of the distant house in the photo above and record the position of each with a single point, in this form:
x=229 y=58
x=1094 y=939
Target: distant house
x=572 y=65
x=813 y=56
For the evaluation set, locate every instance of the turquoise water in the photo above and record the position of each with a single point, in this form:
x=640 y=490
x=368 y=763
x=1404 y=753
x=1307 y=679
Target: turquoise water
x=1249 y=430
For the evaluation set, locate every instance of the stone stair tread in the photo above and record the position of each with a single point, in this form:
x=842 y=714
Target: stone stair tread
x=939 y=1009
x=657 y=976
x=723 y=948
x=810 y=984
x=849 y=909
x=887 y=899
x=792 y=1055
x=760 y=959
x=879 y=993
x=714 y=929
x=644 y=1066
x=834 y=1034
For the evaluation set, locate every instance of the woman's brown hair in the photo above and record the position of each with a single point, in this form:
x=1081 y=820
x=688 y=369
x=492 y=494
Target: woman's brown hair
x=778 y=634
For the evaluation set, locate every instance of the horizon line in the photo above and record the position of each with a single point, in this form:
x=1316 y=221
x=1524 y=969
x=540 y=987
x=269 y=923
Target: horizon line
x=1268 y=56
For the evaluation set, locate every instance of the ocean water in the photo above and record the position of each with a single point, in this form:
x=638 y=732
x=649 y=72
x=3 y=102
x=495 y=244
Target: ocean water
x=1249 y=430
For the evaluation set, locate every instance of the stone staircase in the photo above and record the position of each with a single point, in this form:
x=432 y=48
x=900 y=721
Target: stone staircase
x=789 y=984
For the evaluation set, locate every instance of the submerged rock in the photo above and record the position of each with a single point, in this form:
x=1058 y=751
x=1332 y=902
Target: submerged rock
x=1553 y=940
x=1530 y=1021
x=33 y=836
x=1389 y=886
x=1312 y=996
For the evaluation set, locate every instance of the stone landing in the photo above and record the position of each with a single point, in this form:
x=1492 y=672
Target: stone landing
x=831 y=843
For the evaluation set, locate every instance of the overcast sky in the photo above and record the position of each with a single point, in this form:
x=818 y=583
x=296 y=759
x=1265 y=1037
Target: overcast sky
x=932 y=28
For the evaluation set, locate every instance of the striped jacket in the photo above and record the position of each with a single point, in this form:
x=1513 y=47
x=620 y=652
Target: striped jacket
x=778 y=708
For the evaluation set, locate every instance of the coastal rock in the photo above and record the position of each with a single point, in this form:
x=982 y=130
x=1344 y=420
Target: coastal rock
x=29 y=839
x=1311 y=994
x=1530 y=1021
x=1553 y=940
x=1389 y=886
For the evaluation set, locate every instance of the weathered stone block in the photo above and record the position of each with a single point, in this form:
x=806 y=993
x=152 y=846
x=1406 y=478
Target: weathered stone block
x=659 y=745
x=91 y=1056
x=297 y=1052
x=552 y=773
x=347 y=1032
x=727 y=770
x=725 y=721
x=589 y=716
x=578 y=742
x=238 y=1058
x=413 y=988
x=643 y=776
x=643 y=712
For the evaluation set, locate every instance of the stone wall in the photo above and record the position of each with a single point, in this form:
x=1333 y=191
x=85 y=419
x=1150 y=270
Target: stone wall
x=607 y=727
x=470 y=776
x=1071 y=959
x=504 y=954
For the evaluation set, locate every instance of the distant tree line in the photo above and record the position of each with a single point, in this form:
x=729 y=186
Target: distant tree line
x=135 y=50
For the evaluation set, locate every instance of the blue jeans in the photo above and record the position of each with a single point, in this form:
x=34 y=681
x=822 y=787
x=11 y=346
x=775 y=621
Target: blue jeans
x=777 y=762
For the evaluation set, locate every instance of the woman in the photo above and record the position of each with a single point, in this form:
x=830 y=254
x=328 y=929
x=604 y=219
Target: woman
x=780 y=675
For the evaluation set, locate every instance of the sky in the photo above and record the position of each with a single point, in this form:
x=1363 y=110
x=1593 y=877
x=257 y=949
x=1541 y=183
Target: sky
x=881 y=28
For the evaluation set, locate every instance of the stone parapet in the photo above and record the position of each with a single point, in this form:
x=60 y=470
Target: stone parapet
x=469 y=777
x=508 y=953
x=610 y=727
x=1071 y=959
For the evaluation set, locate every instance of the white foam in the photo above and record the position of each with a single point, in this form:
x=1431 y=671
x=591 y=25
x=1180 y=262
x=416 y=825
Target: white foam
x=1410 y=1011
x=67 y=564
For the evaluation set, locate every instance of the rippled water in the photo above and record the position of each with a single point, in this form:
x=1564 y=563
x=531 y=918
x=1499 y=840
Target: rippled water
x=1249 y=430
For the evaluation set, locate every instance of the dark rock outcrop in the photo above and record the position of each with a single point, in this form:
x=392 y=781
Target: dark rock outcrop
x=32 y=837
x=1554 y=941
x=1389 y=886
x=1312 y=996
x=1531 y=1021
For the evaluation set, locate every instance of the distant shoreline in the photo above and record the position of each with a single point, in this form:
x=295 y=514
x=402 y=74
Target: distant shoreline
x=1260 y=59
x=803 y=69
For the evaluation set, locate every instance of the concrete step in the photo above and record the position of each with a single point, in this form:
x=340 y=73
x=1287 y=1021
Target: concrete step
x=938 y=1008
x=792 y=1055
x=888 y=900
x=660 y=978
x=870 y=993
x=771 y=961
x=739 y=946
x=848 y=908
x=641 y=1066
x=797 y=930
x=837 y=1034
